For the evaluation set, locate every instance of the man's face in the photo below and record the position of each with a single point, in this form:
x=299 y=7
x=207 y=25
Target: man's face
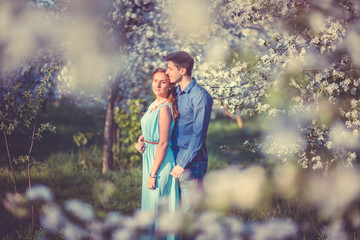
x=173 y=72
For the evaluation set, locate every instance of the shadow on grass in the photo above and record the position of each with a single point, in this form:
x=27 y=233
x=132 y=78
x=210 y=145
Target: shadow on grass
x=225 y=139
x=68 y=120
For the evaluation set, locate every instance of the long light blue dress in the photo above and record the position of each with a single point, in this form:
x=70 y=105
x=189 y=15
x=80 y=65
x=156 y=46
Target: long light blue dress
x=166 y=185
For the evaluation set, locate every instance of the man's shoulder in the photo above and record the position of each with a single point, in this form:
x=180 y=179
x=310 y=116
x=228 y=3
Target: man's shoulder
x=199 y=91
x=199 y=96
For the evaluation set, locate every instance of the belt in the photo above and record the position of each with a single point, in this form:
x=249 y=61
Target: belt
x=151 y=142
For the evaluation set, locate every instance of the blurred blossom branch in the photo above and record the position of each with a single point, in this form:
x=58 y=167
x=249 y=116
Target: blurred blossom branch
x=221 y=208
x=293 y=60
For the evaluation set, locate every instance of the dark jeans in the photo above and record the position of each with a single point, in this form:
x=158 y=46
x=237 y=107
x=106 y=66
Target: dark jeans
x=191 y=185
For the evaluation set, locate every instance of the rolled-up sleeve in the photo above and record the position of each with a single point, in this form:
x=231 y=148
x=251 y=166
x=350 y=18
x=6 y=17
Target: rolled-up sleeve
x=202 y=105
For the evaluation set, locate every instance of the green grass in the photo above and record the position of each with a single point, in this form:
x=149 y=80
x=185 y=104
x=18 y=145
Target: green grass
x=65 y=177
x=58 y=165
x=68 y=120
x=225 y=139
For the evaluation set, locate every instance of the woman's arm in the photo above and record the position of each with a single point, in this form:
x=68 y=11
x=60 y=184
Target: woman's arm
x=165 y=119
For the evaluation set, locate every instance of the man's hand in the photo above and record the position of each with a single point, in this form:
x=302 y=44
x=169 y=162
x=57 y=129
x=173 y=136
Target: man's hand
x=177 y=171
x=141 y=139
x=140 y=146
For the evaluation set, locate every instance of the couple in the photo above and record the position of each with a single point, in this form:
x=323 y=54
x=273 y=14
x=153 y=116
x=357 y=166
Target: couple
x=174 y=130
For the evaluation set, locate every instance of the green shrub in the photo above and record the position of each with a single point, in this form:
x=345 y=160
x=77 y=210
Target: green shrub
x=129 y=129
x=39 y=233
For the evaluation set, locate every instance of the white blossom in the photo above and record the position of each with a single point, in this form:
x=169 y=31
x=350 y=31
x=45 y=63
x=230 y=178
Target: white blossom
x=275 y=229
x=80 y=209
x=39 y=192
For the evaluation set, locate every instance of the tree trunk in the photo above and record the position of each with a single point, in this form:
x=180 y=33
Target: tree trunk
x=108 y=129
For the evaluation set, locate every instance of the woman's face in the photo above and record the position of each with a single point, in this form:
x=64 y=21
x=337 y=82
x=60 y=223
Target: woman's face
x=160 y=84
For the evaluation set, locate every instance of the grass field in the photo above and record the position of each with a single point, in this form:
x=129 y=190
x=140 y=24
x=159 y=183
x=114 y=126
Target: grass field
x=57 y=162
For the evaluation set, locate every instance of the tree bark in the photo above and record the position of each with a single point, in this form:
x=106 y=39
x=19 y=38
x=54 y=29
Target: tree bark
x=108 y=129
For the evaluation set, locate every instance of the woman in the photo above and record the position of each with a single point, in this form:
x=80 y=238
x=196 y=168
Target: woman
x=158 y=159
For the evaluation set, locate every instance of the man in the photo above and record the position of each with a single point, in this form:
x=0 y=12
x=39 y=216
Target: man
x=189 y=136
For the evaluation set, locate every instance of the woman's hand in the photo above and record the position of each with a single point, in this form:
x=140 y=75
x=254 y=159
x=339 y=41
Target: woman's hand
x=151 y=183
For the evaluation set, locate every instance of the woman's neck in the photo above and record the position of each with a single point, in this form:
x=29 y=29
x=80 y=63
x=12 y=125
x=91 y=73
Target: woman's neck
x=160 y=98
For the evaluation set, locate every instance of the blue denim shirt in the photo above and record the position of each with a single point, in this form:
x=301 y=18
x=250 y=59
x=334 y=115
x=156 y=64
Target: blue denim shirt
x=189 y=136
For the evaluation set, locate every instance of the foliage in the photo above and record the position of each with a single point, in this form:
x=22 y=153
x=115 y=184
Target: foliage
x=297 y=61
x=20 y=108
x=39 y=234
x=128 y=120
x=19 y=112
x=81 y=140
x=294 y=64
x=68 y=180
x=250 y=203
x=132 y=30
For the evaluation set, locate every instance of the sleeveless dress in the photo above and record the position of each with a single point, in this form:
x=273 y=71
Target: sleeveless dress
x=166 y=185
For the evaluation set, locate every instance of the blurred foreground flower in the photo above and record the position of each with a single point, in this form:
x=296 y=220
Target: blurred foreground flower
x=73 y=232
x=39 y=192
x=234 y=187
x=335 y=231
x=79 y=209
x=52 y=218
x=343 y=137
x=16 y=204
x=171 y=222
x=229 y=196
x=274 y=229
x=286 y=180
x=335 y=192
x=104 y=190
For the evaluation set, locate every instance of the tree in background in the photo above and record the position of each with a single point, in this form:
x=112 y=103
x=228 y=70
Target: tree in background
x=297 y=64
x=294 y=62
x=137 y=41
x=105 y=50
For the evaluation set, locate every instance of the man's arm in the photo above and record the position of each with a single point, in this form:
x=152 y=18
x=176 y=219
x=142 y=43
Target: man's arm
x=202 y=111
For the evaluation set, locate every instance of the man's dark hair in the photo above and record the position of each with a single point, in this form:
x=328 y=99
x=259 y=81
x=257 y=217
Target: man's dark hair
x=182 y=59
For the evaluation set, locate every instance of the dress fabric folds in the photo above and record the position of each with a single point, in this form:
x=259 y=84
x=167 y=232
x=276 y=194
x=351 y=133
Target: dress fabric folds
x=166 y=193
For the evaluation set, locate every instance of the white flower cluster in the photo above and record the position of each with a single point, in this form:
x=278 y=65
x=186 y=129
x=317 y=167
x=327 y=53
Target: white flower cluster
x=234 y=88
x=135 y=37
x=232 y=189
x=309 y=63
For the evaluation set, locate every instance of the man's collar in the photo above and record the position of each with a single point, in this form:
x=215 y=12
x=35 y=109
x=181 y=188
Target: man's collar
x=188 y=87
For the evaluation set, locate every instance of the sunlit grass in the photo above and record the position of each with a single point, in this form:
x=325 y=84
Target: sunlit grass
x=65 y=173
